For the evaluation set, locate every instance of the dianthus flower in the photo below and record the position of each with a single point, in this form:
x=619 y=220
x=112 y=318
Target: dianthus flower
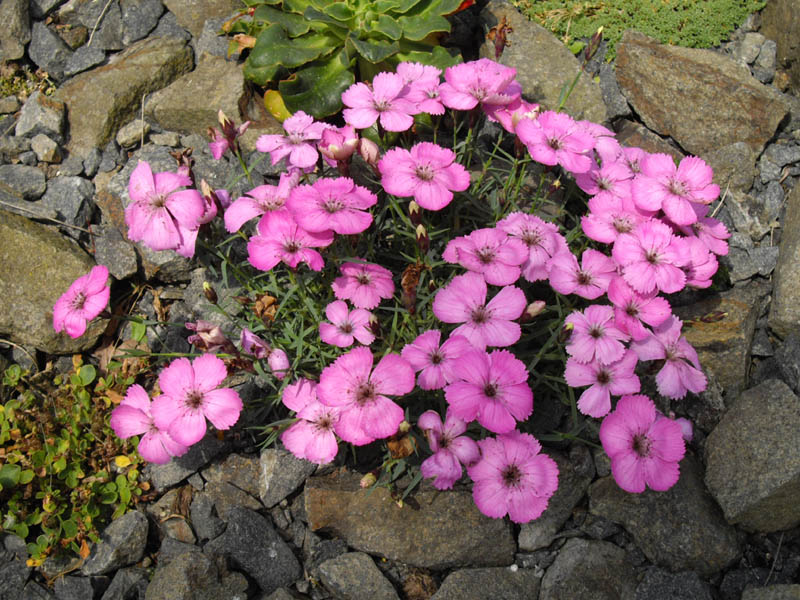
x=387 y=101
x=490 y=252
x=338 y=204
x=281 y=239
x=612 y=180
x=423 y=86
x=609 y=217
x=346 y=325
x=708 y=230
x=513 y=477
x=222 y=141
x=435 y=362
x=483 y=81
x=595 y=335
x=278 y=363
x=190 y=394
x=364 y=284
x=554 y=138
x=312 y=437
x=350 y=384
x=616 y=378
x=208 y=337
x=589 y=281
x=541 y=238
x=86 y=298
x=258 y=201
x=427 y=172
x=605 y=140
x=302 y=133
x=673 y=189
x=160 y=215
x=338 y=144
x=132 y=417
x=632 y=310
x=651 y=257
x=252 y=344
x=701 y=266
x=681 y=371
x=450 y=449
x=492 y=388
x=644 y=449
x=509 y=115
x=484 y=324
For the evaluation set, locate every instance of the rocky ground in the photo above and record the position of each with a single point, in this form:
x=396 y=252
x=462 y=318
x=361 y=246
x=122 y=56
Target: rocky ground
x=235 y=522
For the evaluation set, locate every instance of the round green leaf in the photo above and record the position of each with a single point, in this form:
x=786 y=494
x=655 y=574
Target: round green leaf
x=294 y=24
x=9 y=475
x=26 y=476
x=274 y=50
x=69 y=528
x=87 y=374
x=317 y=90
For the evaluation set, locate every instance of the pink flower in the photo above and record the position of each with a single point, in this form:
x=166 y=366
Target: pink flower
x=423 y=86
x=278 y=363
x=190 y=395
x=252 y=344
x=450 y=449
x=605 y=141
x=312 y=437
x=258 y=201
x=159 y=216
x=542 y=239
x=387 y=101
x=616 y=378
x=86 y=298
x=208 y=337
x=701 y=266
x=610 y=216
x=554 y=138
x=589 y=281
x=222 y=141
x=681 y=371
x=482 y=82
x=338 y=144
x=651 y=257
x=427 y=172
x=631 y=309
x=490 y=252
x=710 y=231
x=132 y=417
x=511 y=114
x=336 y=204
x=492 y=324
x=595 y=335
x=280 y=239
x=492 y=388
x=435 y=363
x=513 y=477
x=350 y=384
x=364 y=284
x=346 y=325
x=644 y=449
x=673 y=189
x=298 y=143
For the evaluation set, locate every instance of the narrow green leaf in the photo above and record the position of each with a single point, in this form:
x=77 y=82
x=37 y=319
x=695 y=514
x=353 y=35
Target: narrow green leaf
x=138 y=330
x=317 y=90
x=293 y=23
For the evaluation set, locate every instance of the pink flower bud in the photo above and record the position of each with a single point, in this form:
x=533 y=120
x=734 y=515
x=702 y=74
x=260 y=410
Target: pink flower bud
x=369 y=151
x=279 y=363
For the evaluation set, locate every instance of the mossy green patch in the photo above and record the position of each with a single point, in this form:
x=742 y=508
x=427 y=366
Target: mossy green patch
x=689 y=23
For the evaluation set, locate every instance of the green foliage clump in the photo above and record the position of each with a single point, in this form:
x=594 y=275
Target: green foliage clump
x=317 y=49
x=63 y=472
x=690 y=23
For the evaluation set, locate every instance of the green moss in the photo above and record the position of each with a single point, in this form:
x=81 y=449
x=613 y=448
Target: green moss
x=690 y=23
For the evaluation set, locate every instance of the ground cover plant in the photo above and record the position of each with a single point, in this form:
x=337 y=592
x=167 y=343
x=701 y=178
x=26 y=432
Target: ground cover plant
x=690 y=23
x=423 y=282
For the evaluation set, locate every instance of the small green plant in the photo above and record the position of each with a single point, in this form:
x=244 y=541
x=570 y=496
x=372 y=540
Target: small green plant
x=316 y=49
x=690 y=23
x=63 y=472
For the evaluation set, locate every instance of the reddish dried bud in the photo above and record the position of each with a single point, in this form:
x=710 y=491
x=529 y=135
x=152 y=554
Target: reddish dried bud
x=210 y=293
x=415 y=213
x=423 y=241
x=533 y=310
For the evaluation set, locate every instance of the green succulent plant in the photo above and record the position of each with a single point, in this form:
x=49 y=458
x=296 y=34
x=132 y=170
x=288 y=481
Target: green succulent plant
x=315 y=49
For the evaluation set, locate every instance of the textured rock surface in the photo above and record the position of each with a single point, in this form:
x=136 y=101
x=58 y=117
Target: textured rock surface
x=680 y=529
x=192 y=14
x=542 y=80
x=753 y=459
x=121 y=544
x=279 y=474
x=477 y=584
x=194 y=576
x=780 y=21
x=663 y=84
x=658 y=584
x=784 y=313
x=447 y=530
x=772 y=592
x=354 y=575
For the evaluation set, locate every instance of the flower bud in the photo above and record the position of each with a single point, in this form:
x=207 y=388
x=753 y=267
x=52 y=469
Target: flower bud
x=369 y=151
x=415 y=213
x=565 y=333
x=210 y=293
x=594 y=44
x=404 y=427
x=374 y=325
x=423 y=241
x=533 y=310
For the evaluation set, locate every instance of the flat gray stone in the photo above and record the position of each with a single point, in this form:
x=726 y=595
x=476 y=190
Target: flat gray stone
x=194 y=576
x=280 y=474
x=121 y=544
x=354 y=575
x=658 y=584
x=22 y=181
x=784 y=315
x=16 y=30
x=192 y=14
x=48 y=50
x=83 y=59
x=200 y=454
x=772 y=592
x=508 y=583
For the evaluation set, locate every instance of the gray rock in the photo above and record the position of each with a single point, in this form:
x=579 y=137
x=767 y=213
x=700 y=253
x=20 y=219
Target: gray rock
x=281 y=474
x=32 y=280
x=661 y=83
x=72 y=166
x=9 y=105
x=589 y=570
x=112 y=250
x=11 y=146
x=772 y=592
x=616 y=104
x=742 y=265
x=128 y=584
x=571 y=488
x=48 y=51
x=753 y=462
x=194 y=576
x=33 y=591
x=71 y=198
x=787 y=358
x=206 y=524
x=542 y=80
x=83 y=59
x=354 y=575
x=768 y=170
x=168 y=514
x=133 y=133
x=781 y=22
x=211 y=43
x=168 y=27
x=121 y=544
x=766 y=57
x=749 y=217
x=74 y=588
x=28 y=159
x=91 y=162
x=784 y=315
x=42 y=114
x=139 y=17
x=104 y=19
x=16 y=30
x=200 y=454
x=748 y=49
x=171 y=549
x=762 y=345
x=446 y=530
x=252 y=545
x=199 y=306
x=13 y=570
x=734 y=166
x=680 y=529
x=41 y=8
x=662 y=585
x=192 y=14
x=772 y=199
x=168 y=138
x=24 y=182
x=508 y=583
x=783 y=154
x=146 y=66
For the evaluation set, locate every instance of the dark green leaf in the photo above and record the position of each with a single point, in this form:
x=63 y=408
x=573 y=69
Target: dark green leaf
x=69 y=528
x=317 y=90
x=26 y=476
x=339 y=11
x=9 y=475
x=87 y=374
x=21 y=530
x=274 y=50
x=293 y=23
x=389 y=27
x=436 y=56
x=296 y=6
x=418 y=27
x=397 y=6
x=374 y=51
